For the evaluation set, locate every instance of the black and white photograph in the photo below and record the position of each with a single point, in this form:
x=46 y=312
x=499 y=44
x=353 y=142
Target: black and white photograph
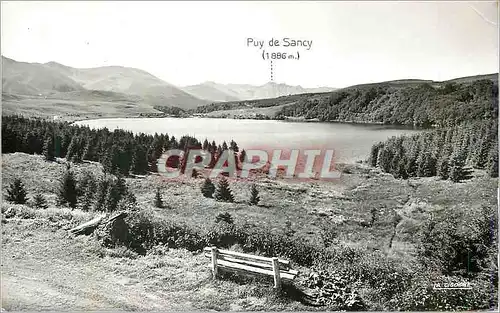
x=241 y=156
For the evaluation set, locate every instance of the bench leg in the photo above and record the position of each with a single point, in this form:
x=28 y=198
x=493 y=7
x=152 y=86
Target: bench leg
x=277 y=278
x=214 y=262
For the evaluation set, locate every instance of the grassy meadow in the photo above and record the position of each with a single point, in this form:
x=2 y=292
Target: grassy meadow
x=375 y=216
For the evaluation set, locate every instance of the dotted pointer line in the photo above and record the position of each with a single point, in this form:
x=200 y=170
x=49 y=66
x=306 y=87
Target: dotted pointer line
x=272 y=74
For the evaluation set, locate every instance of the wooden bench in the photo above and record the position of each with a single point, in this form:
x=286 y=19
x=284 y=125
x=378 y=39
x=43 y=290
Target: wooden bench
x=246 y=263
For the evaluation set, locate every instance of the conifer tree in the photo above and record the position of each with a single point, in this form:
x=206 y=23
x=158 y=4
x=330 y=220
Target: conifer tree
x=116 y=192
x=443 y=170
x=384 y=159
x=140 y=161
x=427 y=166
x=121 y=160
x=83 y=182
x=102 y=192
x=443 y=163
x=400 y=170
x=158 y=199
x=493 y=161
x=398 y=161
x=88 y=152
x=65 y=142
x=458 y=171
x=88 y=196
x=195 y=173
x=79 y=150
x=108 y=162
x=242 y=156
x=156 y=148
x=128 y=202
x=234 y=146
x=374 y=154
x=483 y=152
x=208 y=188
x=212 y=149
x=223 y=192
x=152 y=161
x=17 y=192
x=39 y=201
x=72 y=148
x=67 y=191
x=254 y=195
x=173 y=144
x=205 y=145
x=49 y=149
x=411 y=166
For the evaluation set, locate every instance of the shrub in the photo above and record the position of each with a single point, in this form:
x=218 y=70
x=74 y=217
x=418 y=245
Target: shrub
x=127 y=203
x=19 y=211
x=141 y=232
x=225 y=235
x=334 y=290
x=113 y=234
x=144 y=233
x=16 y=192
x=458 y=241
x=329 y=234
x=423 y=296
x=224 y=217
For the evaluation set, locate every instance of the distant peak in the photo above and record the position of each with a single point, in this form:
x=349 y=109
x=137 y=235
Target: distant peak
x=271 y=84
x=209 y=82
x=275 y=84
x=7 y=59
x=53 y=63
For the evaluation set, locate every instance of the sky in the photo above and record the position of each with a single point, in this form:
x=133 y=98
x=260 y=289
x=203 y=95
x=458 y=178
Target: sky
x=190 y=42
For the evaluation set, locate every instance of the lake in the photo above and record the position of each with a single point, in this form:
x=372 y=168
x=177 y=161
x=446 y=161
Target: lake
x=351 y=142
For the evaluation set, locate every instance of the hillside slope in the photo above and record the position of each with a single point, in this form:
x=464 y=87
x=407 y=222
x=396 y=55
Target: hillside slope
x=34 y=79
x=56 y=79
x=418 y=103
x=404 y=102
x=129 y=81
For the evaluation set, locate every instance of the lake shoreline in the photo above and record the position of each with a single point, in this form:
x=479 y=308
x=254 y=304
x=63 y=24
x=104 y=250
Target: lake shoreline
x=288 y=120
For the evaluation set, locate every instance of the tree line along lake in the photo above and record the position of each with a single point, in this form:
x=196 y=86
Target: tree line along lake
x=351 y=142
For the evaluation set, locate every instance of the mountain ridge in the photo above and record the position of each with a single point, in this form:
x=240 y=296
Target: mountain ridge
x=53 y=79
x=132 y=85
x=217 y=92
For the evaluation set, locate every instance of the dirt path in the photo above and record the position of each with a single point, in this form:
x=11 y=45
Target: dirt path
x=24 y=293
x=49 y=270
